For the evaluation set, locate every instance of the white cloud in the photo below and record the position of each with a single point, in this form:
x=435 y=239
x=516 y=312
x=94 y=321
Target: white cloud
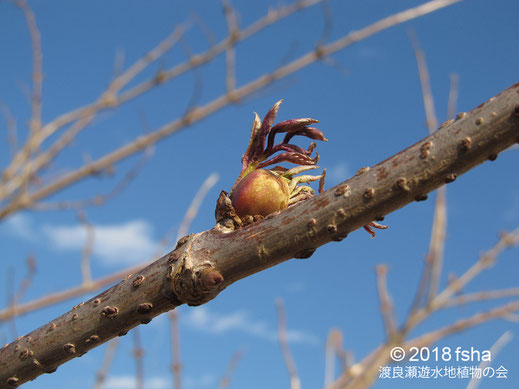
x=202 y=381
x=129 y=242
x=21 y=226
x=124 y=243
x=130 y=382
x=204 y=320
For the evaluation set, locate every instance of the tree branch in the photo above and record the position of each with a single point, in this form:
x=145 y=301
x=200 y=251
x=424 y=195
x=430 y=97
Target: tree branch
x=24 y=199
x=204 y=264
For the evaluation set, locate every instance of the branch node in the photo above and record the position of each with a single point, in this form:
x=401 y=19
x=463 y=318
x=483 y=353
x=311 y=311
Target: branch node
x=13 y=382
x=465 y=144
x=450 y=178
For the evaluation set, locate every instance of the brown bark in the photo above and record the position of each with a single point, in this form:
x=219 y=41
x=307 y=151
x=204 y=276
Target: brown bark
x=204 y=264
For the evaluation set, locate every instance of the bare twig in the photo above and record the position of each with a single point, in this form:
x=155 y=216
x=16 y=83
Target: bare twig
x=176 y=365
x=437 y=243
x=86 y=255
x=432 y=122
x=12 y=131
x=110 y=99
x=295 y=383
x=54 y=298
x=204 y=264
x=434 y=260
x=138 y=354
x=386 y=305
x=105 y=367
x=195 y=204
x=233 y=363
x=195 y=114
x=494 y=350
x=37 y=67
x=334 y=347
x=82 y=116
x=68 y=294
x=453 y=96
x=27 y=281
x=482 y=296
x=101 y=199
x=486 y=260
x=367 y=369
x=230 y=54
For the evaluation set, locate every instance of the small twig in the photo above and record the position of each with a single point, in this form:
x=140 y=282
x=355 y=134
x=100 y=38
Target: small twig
x=295 y=383
x=37 y=67
x=453 y=96
x=486 y=260
x=463 y=324
x=54 y=298
x=14 y=297
x=386 y=305
x=193 y=115
x=437 y=242
x=196 y=203
x=513 y=317
x=230 y=53
x=443 y=299
x=327 y=22
x=432 y=121
x=118 y=62
x=482 y=296
x=86 y=254
x=101 y=199
x=11 y=303
x=138 y=353
x=231 y=367
x=27 y=281
x=176 y=365
x=12 y=130
x=367 y=369
x=193 y=101
x=494 y=350
x=333 y=347
x=105 y=367
x=434 y=259
x=82 y=116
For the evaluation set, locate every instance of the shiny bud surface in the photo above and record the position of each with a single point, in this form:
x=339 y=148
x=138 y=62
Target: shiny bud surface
x=260 y=192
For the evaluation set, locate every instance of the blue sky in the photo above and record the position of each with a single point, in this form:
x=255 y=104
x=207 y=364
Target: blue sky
x=369 y=105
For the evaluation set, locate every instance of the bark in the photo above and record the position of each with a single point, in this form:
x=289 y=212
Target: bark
x=204 y=264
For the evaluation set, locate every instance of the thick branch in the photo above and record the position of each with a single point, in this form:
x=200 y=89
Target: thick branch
x=205 y=263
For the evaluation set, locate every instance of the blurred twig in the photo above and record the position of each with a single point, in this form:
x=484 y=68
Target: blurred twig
x=12 y=131
x=176 y=364
x=482 y=296
x=54 y=298
x=88 y=247
x=14 y=179
x=37 y=67
x=295 y=383
x=453 y=96
x=334 y=347
x=494 y=350
x=195 y=204
x=101 y=199
x=107 y=362
x=138 y=354
x=434 y=259
x=386 y=305
x=233 y=363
